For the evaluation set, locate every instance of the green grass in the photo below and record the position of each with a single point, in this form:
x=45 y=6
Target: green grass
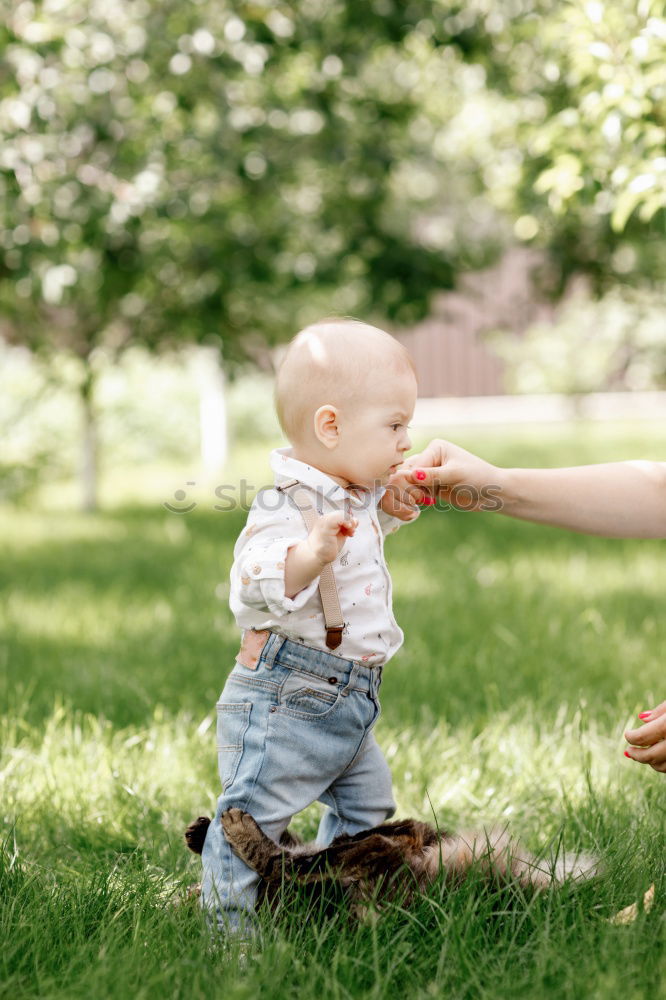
x=527 y=650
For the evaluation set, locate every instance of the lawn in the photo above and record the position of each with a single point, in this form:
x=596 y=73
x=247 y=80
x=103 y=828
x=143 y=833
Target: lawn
x=527 y=651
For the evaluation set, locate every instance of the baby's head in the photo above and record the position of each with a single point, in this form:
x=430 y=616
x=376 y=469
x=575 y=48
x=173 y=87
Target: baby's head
x=345 y=393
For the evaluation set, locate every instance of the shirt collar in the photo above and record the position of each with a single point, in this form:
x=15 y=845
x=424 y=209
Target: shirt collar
x=285 y=467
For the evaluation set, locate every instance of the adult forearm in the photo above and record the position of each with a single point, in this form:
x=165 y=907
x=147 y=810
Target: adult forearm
x=620 y=499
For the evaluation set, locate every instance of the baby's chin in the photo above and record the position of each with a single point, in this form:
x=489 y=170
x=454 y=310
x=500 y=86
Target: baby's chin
x=385 y=480
x=396 y=475
x=370 y=483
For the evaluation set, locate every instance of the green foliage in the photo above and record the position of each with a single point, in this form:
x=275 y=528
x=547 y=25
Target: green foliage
x=218 y=170
x=40 y=418
x=251 y=409
x=37 y=423
x=165 y=164
x=616 y=343
x=592 y=181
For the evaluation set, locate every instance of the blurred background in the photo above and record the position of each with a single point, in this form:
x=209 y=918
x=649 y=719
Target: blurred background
x=184 y=185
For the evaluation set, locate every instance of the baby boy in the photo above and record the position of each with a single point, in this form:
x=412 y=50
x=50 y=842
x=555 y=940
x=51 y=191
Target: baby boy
x=311 y=592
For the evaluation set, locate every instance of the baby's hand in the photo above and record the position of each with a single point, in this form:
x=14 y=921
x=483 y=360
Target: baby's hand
x=328 y=535
x=399 y=501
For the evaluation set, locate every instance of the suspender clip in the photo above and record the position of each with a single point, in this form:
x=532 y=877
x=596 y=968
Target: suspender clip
x=334 y=636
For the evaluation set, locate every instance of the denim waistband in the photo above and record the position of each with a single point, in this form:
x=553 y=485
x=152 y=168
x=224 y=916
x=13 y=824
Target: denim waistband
x=356 y=676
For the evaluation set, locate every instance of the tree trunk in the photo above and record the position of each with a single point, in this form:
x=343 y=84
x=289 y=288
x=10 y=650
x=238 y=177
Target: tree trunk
x=212 y=411
x=89 y=442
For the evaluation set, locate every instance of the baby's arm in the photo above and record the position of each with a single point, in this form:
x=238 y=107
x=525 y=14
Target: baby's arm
x=306 y=560
x=274 y=545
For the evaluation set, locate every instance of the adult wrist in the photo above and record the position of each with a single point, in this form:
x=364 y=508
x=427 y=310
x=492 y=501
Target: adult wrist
x=508 y=482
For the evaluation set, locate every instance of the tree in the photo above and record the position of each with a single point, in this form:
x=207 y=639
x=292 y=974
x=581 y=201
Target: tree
x=199 y=172
x=224 y=171
x=589 y=137
x=551 y=126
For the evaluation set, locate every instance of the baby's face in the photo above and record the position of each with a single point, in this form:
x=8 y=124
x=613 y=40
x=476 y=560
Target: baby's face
x=373 y=432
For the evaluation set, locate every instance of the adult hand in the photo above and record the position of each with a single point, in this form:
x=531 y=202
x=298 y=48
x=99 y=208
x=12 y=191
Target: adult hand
x=613 y=499
x=398 y=500
x=649 y=740
x=447 y=472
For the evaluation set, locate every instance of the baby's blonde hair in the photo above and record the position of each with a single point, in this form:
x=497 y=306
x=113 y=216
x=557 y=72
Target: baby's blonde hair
x=334 y=361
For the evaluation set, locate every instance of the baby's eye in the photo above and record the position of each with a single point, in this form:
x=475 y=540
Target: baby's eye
x=394 y=427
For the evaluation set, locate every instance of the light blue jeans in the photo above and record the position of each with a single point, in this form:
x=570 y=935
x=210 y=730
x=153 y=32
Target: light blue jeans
x=294 y=730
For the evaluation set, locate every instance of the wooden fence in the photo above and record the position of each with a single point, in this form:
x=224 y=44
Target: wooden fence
x=449 y=348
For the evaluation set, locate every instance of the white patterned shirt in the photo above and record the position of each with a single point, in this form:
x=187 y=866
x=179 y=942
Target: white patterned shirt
x=257 y=597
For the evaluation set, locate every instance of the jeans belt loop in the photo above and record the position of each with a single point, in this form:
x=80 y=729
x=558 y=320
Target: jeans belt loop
x=352 y=677
x=273 y=646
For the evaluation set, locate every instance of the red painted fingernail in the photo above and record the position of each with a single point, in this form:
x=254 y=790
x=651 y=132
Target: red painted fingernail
x=644 y=715
x=427 y=501
x=627 y=754
x=419 y=474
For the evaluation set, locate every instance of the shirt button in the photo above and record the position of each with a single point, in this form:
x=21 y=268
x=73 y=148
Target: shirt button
x=332 y=680
x=256 y=570
x=273 y=708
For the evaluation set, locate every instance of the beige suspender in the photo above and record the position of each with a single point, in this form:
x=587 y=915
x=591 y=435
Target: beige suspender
x=328 y=591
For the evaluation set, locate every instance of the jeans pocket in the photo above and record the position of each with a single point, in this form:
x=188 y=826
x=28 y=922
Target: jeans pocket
x=232 y=722
x=307 y=695
x=378 y=711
